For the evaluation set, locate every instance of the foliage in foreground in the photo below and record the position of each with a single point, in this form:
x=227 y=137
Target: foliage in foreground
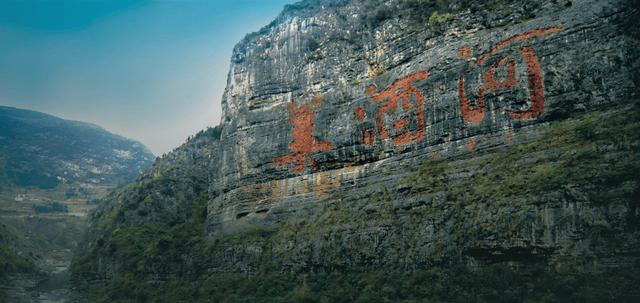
x=492 y=283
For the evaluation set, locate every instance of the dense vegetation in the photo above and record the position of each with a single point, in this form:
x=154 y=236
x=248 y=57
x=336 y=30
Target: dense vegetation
x=492 y=283
x=595 y=153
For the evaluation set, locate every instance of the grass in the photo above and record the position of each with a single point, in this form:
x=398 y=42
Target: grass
x=493 y=283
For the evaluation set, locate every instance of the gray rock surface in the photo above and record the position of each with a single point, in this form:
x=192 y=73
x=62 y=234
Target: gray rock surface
x=360 y=137
x=569 y=57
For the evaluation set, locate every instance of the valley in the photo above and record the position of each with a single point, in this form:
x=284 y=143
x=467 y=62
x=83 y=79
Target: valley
x=53 y=173
x=50 y=238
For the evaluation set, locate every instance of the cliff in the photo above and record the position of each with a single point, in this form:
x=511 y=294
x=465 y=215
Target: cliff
x=373 y=147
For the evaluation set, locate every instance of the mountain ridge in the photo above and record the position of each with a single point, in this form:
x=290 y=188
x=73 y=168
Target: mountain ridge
x=26 y=133
x=5 y=109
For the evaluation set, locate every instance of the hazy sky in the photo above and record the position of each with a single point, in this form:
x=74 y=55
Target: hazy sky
x=153 y=71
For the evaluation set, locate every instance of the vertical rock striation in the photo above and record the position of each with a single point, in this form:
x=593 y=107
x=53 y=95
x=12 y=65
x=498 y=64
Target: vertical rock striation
x=320 y=105
x=402 y=136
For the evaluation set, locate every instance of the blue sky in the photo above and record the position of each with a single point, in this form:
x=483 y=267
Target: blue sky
x=153 y=71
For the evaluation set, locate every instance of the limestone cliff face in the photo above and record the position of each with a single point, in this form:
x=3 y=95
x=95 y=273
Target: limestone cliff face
x=402 y=135
x=321 y=105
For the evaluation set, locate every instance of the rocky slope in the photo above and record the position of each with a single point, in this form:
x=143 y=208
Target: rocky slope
x=52 y=171
x=400 y=150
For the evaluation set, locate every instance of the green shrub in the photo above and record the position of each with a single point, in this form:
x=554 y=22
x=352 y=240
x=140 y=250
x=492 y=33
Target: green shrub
x=437 y=19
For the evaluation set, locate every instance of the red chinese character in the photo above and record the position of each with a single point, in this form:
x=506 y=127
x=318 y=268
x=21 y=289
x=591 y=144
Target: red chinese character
x=399 y=90
x=368 y=137
x=303 y=143
x=491 y=84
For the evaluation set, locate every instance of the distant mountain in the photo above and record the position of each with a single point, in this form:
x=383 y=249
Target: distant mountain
x=52 y=173
x=38 y=150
